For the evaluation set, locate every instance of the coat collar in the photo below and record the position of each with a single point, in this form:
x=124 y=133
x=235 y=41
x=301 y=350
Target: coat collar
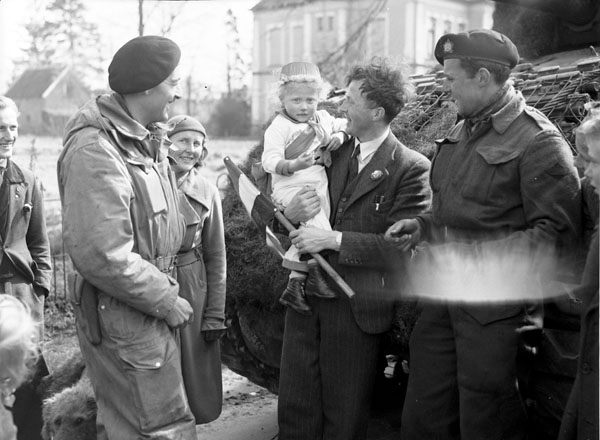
x=500 y=120
x=196 y=187
x=504 y=117
x=116 y=120
x=13 y=173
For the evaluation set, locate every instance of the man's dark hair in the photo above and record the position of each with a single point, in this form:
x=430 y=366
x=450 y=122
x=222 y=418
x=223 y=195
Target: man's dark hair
x=499 y=72
x=383 y=85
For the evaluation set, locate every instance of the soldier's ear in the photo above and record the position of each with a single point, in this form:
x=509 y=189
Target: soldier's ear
x=483 y=76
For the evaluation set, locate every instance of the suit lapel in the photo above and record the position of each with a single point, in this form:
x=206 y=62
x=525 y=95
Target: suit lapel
x=369 y=178
x=339 y=173
x=16 y=197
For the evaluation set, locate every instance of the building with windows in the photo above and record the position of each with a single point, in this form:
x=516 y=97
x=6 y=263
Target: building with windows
x=337 y=33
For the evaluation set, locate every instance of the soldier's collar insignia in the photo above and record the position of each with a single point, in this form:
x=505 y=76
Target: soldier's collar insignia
x=448 y=46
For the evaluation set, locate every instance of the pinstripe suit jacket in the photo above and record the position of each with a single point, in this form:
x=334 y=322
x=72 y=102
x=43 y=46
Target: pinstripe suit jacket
x=394 y=185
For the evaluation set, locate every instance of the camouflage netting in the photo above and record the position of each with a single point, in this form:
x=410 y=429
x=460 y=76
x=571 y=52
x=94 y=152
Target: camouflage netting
x=255 y=278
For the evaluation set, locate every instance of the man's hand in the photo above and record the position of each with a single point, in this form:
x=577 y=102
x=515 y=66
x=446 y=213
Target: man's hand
x=303 y=206
x=313 y=240
x=406 y=234
x=180 y=314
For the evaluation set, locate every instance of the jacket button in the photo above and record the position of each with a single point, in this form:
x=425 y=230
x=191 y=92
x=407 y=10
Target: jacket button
x=157 y=364
x=340 y=209
x=585 y=368
x=102 y=307
x=344 y=199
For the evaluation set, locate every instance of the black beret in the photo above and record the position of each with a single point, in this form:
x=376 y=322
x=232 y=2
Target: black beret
x=142 y=63
x=478 y=44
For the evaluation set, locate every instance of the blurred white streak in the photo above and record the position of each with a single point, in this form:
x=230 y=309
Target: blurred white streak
x=484 y=273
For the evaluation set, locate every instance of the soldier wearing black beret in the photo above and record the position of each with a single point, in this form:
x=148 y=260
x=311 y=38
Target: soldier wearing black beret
x=502 y=177
x=123 y=230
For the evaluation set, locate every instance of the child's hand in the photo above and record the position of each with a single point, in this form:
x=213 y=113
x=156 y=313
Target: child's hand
x=334 y=143
x=303 y=161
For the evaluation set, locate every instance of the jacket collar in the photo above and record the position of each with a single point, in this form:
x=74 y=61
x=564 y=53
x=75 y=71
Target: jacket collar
x=152 y=145
x=13 y=173
x=195 y=186
x=114 y=109
x=513 y=104
x=509 y=112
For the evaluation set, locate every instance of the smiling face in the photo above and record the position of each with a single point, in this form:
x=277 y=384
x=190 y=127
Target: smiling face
x=464 y=90
x=359 y=111
x=159 y=98
x=187 y=150
x=9 y=131
x=300 y=100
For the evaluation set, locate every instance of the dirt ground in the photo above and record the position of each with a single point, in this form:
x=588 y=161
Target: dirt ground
x=249 y=411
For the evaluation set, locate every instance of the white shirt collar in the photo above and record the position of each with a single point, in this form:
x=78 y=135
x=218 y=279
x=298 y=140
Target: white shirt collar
x=369 y=147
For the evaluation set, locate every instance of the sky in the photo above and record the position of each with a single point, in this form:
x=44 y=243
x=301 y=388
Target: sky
x=199 y=29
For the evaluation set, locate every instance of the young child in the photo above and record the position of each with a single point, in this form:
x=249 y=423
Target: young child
x=295 y=147
x=18 y=353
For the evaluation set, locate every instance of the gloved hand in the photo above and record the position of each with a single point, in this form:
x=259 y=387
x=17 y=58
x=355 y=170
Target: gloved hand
x=213 y=335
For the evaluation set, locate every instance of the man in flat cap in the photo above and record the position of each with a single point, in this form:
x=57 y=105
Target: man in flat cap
x=503 y=178
x=122 y=229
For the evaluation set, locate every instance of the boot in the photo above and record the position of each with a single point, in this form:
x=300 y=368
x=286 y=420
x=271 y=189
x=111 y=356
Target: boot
x=316 y=284
x=293 y=296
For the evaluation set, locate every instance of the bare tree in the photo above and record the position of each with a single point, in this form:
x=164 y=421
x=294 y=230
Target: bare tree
x=236 y=66
x=169 y=11
x=63 y=35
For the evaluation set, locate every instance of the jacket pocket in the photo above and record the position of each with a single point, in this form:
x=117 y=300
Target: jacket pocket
x=492 y=177
x=154 y=375
x=487 y=314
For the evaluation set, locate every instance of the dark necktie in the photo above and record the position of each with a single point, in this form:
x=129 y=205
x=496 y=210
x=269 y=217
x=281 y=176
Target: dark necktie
x=353 y=166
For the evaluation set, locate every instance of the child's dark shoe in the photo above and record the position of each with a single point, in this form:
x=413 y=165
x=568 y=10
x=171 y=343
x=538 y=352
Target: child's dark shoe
x=293 y=297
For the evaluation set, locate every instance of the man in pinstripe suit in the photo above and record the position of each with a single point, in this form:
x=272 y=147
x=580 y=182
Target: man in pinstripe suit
x=329 y=358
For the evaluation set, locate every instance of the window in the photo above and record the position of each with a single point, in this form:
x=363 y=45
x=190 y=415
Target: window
x=376 y=37
x=320 y=24
x=297 y=40
x=431 y=33
x=274 y=46
x=330 y=21
x=462 y=27
x=447 y=26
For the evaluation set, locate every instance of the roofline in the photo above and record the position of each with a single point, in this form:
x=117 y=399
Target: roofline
x=54 y=83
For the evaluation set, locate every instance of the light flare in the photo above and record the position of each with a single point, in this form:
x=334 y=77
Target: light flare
x=483 y=273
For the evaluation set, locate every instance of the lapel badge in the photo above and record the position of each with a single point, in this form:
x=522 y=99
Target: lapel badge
x=448 y=46
x=376 y=175
x=27 y=208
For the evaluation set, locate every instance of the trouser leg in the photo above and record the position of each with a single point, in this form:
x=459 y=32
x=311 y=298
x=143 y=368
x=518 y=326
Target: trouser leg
x=299 y=404
x=348 y=371
x=27 y=409
x=431 y=405
x=490 y=403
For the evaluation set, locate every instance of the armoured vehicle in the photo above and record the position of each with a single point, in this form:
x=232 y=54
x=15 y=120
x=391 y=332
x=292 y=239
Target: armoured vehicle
x=559 y=73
